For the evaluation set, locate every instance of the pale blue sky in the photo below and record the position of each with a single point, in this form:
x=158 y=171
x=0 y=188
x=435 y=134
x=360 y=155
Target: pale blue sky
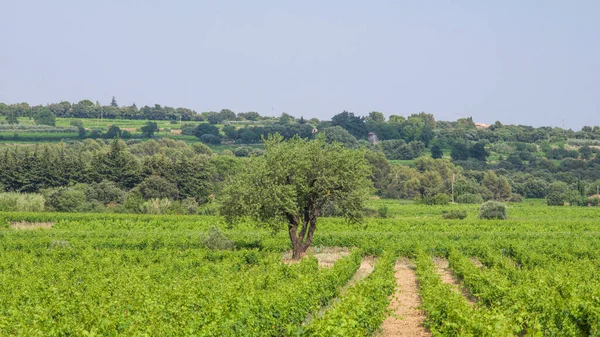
x=520 y=62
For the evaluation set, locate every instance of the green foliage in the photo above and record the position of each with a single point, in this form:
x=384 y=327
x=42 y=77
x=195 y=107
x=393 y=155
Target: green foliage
x=493 y=210
x=156 y=206
x=105 y=192
x=293 y=181
x=436 y=152
x=65 y=199
x=362 y=309
x=438 y=199
x=210 y=139
x=383 y=212
x=45 y=117
x=469 y=198
x=496 y=187
x=214 y=239
x=201 y=148
x=12 y=118
x=454 y=214
x=339 y=135
x=149 y=129
x=21 y=202
x=156 y=187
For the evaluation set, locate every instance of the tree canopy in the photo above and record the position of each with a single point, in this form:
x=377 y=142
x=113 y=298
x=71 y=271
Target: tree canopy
x=293 y=181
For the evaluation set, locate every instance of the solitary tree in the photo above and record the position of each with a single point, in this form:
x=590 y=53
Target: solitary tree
x=149 y=129
x=436 y=152
x=45 y=117
x=292 y=182
x=12 y=118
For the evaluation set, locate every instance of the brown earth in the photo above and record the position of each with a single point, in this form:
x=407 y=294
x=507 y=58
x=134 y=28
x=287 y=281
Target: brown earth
x=31 y=225
x=447 y=275
x=407 y=317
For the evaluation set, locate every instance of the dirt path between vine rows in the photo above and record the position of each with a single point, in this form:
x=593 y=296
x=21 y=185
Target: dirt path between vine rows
x=407 y=317
x=447 y=275
x=367 y=265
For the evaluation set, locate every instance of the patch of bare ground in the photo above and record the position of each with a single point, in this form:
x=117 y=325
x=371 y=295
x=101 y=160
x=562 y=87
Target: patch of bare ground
x=407 y=317
x=447 y=275
x=30 y=225
x=326 y=256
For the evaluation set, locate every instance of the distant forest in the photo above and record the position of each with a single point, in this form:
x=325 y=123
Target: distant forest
x=414 y=157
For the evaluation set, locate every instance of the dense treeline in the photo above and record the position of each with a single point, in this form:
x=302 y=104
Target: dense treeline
x=167 y=176
x=95 y=174
x=502 y=162
x=89 y=109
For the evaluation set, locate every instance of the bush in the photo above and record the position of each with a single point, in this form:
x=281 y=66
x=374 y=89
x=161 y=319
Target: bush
x=156 y=206
x=65 y=199
x=515 y=197
x=438 y=199
x=454 y=214
x=242 y=151
x=210 y=139
x=21 y=202
x=105 y=192
x=555 y=199
x=469 y=198
x=383 y=212
x=493 y=210
x=216 y=240
x=201 y=148
x=156 y=187
x=190 y=206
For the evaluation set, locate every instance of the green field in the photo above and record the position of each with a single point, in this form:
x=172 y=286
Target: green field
x=102 y=274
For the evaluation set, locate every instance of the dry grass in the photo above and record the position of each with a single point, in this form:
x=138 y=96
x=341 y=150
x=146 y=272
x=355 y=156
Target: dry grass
x=24 y=225
x=326 y=256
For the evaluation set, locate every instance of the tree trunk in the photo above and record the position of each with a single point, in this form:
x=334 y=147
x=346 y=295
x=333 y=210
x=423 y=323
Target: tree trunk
x=301 y=241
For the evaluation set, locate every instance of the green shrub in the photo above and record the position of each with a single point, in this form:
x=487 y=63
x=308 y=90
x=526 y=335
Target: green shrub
x=515 y=197
x=156 y=187
x=22 y=202
x=438 y=199
x=202 y=148
x=190 y=206
x=65 y=199
x=555 y=199
x=214 y=239
x=493 y=210
x=105 y=192
x=156 y=206
x=469 y=198
x=454 y=214
x=383 y=212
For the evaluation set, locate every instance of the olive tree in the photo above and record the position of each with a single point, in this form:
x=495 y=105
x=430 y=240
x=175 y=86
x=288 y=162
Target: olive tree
x=291 y=183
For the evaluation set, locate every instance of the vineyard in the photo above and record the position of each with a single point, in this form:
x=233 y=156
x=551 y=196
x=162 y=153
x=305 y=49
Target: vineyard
x=536 y=274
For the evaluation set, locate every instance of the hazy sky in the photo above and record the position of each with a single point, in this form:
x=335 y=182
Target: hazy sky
x=520 y=62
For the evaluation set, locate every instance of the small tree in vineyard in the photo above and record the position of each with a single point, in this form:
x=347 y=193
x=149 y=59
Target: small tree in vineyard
x=291 y=183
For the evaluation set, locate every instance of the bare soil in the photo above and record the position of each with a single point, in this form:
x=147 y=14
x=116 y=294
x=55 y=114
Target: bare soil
x=326 y=256
x=448 y=277
x=407 y=317
x=31 y=225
